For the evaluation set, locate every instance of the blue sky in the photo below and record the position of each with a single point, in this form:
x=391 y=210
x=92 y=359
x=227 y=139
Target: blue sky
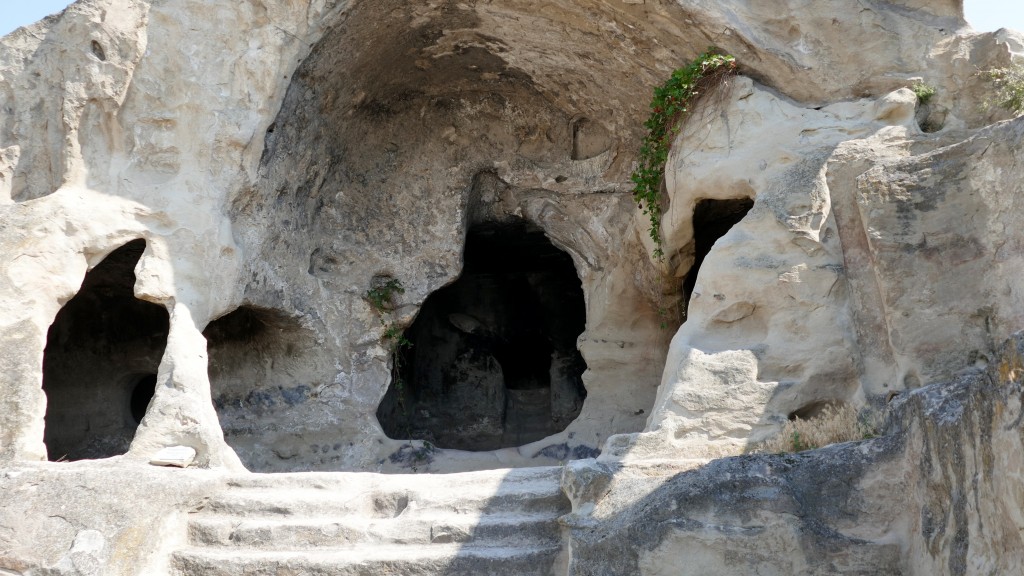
x=14 y=13
x=988 y=15
x=982 y=14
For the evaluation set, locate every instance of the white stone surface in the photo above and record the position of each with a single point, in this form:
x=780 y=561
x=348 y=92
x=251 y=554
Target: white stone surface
x=177 y=456
x=279 y=153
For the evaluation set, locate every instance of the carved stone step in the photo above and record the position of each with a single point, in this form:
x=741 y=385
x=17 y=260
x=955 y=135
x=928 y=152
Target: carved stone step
x=303 y=533
x=407 y=560
x=475 y=523
x=377 y=496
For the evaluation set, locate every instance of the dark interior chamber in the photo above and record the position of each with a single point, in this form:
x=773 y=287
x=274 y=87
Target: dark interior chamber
x=100 y=362
x=491 y=361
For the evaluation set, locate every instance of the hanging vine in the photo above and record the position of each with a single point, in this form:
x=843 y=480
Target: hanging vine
x=381 y=297
x=671 y=103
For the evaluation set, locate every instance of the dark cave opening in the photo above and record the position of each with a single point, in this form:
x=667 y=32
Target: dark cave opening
x=263 y=371
x=243 y=324
x=814 y=409
x=711 y=220
x=255 y=364
x=100 y=362
x=493 y=361
x=142 y=393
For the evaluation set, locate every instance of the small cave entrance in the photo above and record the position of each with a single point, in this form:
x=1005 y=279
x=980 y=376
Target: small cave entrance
x=711 y=220
x=493 y=361
x=815 y=409
x=142 y=392
x=100 y=362
x=261 y=379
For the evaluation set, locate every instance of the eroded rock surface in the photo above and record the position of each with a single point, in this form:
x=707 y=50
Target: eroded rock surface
x=198 y=200
x=933 y=495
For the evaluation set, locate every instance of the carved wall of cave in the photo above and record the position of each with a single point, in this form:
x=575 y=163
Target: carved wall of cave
x=372 y=168
x=100 y=362
x=261 y=378
x=492 y=359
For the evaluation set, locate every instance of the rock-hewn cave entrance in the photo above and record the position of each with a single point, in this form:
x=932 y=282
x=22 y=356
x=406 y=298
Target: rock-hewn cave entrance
x=263 y=380
x=493 y=361
x=100 y=363
x=711 y=220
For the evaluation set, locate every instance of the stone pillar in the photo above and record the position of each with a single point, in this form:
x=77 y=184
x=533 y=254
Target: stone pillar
x=182 y=412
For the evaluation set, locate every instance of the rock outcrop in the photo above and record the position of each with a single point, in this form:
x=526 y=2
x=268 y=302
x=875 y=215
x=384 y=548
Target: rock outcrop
x=220 y=220
x=936 y=494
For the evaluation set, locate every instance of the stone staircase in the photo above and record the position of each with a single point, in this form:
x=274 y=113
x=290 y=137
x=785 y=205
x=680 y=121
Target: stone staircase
x=497 y=522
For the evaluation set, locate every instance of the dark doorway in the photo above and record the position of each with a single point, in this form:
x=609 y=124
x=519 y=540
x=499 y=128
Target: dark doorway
x=264 y=367
x=100 y=363
x=711 y=220
x=492 y=361
x=142 y=393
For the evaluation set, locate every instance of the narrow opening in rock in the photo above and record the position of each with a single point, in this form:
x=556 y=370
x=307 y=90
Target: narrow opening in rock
x=142 y=393
x=243 y=324
x=711 y=220
x=811 y=410
x=493 y=361
x=99 y=367
x=97 y=51
x=930 y=118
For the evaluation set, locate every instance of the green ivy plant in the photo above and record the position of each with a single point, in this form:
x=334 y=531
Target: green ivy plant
x=1009 y=88
x=924 y=92
x=381 y=297
x=670 y=105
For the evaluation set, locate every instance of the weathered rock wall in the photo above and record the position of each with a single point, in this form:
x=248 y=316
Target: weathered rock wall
x=378 y=163
x=839 y=284
x=937 y=494
x=103 y=151
x=281 y=158
x=289 y=175
x=106 y=517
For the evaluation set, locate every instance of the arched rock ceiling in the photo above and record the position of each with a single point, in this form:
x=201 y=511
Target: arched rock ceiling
x=401 y=103
x=601 y=58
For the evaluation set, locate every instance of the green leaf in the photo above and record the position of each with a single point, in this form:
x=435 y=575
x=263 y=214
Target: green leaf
x=669 y=106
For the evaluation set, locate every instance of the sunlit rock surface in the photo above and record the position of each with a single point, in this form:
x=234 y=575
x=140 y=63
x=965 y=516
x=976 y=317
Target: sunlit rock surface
x=200 y=202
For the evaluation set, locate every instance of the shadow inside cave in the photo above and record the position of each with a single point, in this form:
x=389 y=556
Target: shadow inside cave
x=100 y=362
x=492 y=361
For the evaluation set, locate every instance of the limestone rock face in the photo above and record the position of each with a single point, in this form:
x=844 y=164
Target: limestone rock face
x=376 y=237
x=288 y=193
x=929 y=496
x=849 y=293
x=96 y=518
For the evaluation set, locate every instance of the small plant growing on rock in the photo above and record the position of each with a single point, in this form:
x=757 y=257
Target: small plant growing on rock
x=672 y=101
x=381 y=297
x=382 y=293
x=835 y=423
x=924 y=92
x=1009 y=88
x=394 y=335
